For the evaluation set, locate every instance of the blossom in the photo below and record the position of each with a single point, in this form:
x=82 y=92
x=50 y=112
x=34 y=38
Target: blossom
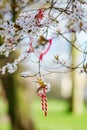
x=25 y=74
x=77 y=17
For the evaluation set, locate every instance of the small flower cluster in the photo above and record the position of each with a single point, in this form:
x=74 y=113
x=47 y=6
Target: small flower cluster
x=77 y=17
x=9 y=36
x=32 y=23
x=25 y=74
x=12 y=67
x=42 y=89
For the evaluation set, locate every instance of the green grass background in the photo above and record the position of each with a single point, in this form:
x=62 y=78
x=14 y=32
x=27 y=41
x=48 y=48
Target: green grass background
x=58 y=117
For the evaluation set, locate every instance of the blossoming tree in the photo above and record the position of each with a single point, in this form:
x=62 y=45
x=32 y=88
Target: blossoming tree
x=42 y=23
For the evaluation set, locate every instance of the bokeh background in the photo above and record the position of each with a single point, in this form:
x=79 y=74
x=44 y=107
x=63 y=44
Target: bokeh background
x=20 y=108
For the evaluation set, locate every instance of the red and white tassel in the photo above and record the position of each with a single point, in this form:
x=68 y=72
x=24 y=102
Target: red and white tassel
x=42 y=89
x=43 y=101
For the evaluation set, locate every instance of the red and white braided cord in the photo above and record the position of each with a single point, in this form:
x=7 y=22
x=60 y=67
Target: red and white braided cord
x=43 y=101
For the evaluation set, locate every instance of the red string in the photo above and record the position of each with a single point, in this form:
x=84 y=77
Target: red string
x=39 y=16
x=31 y=49
x=45 y=52
x=42 y=103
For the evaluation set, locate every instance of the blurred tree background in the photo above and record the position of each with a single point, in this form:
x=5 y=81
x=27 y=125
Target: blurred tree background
x=15 y=89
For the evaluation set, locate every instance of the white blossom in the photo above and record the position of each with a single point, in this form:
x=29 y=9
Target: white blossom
x=25 y=74
x=78 y=17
